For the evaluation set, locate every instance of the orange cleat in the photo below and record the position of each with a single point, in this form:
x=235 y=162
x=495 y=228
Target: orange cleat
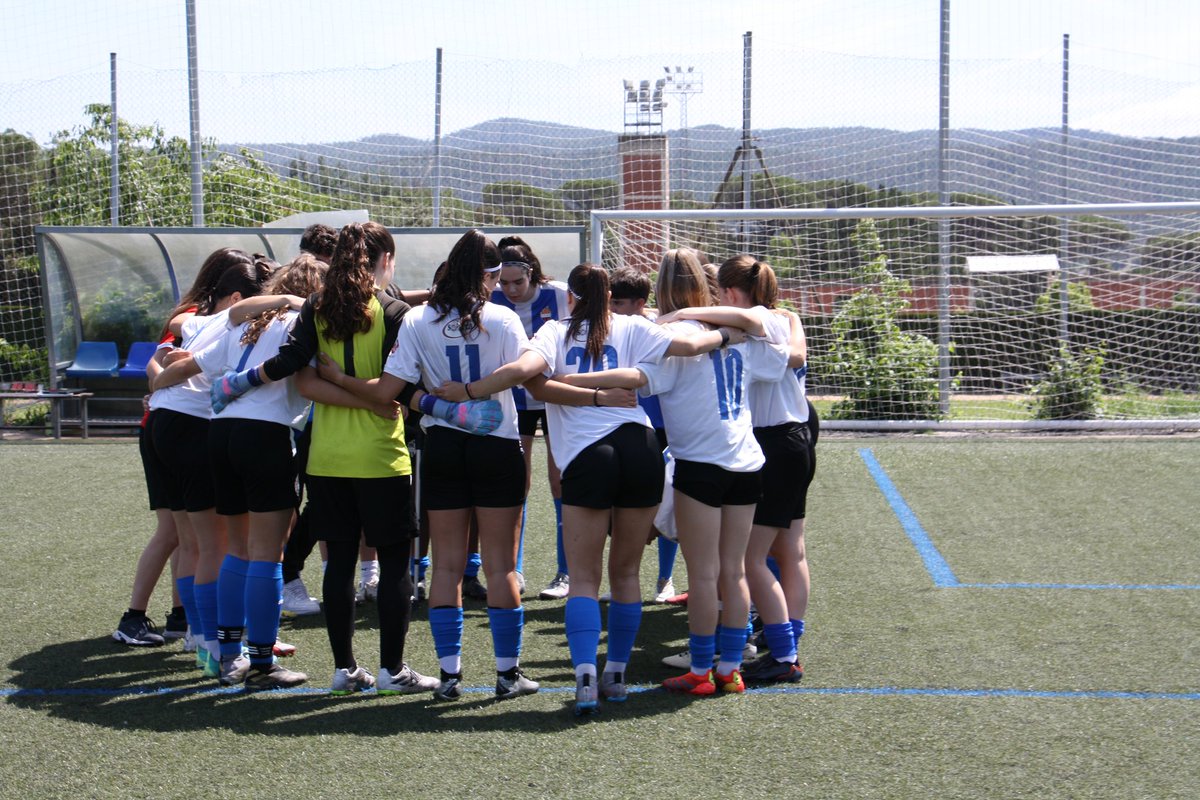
x=691 y=683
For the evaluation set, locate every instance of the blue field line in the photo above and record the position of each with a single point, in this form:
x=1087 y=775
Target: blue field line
x=871 y=691
x=939 y=570
x=1157 y=587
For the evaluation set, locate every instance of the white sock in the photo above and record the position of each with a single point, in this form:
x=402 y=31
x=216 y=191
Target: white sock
x=450 y=664
x=505 y=664
x=370 y=569
x=613 y=667
x=585 y=669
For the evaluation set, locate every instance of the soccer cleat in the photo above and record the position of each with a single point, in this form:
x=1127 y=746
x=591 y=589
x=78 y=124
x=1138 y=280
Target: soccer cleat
x=681 y=660
x=677 y=600
x=586 y=696
x=419 y=595
x=368 y=591
x=473 y=589
x=691 y=683
x=273 y=676
x=513 y=683
x=176 y=627
x=558 y=588
x=449 y=687
x=233 y=670
x=283 y=649
x=766 y=669
x=212 y=665
x=296 y=600
x=406 y=681
x=347 y=682
x=666 y=590
x=201 y=654
x=137 y=632
x=612 y=687
x=190 y=642
x=731 y=683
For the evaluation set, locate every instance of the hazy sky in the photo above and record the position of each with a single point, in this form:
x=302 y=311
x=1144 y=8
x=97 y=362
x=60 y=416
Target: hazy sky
x=305 y=71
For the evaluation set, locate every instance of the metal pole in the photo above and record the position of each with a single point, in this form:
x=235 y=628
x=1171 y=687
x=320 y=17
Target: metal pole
x=437 y=143
x=114 y=202
x=944 y=224
x=747 y=180
x=194 y=118
x=1064 y=285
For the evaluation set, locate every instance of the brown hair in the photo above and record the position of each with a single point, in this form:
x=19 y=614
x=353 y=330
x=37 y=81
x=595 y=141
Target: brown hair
x=303 y=277
x=588 y=284
x=460 y=286
x=320 y=240
x=681 y=281
x=514 y=249
x=202 y=295
x=344 y=304
x=754 y=277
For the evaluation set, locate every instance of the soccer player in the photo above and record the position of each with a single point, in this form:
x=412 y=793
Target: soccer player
x=537 y=300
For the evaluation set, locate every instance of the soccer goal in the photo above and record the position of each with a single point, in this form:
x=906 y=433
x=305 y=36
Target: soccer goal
x=1052 y=316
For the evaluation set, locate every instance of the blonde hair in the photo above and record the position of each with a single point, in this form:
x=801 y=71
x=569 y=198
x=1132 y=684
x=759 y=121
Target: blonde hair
x=303 y=277
x=681 y=281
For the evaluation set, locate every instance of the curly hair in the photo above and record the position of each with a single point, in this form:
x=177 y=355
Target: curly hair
x=320 y=240
x=344 y=304
x=460 y=288
x=303 y=277
x=588 y=285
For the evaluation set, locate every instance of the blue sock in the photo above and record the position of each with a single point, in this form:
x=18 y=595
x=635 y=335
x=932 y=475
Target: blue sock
x=507 y=625
x=206 y=609
x=703 y=648
x=797 y=631
x=423 y=567
x=562 y=553
x=749 y=627
x=187 y=596
x=732 y=642
x=520 y=567
x=231 y=604
x=773 y=565
x=780 y=641
x=474 y=562
x=666 y=557
x=446 y=624
x=624 y=619
x=264 y=594
x=583 y=629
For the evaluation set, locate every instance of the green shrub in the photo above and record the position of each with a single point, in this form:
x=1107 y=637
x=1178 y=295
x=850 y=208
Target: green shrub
x=20 y=362
x=117 y=315
x=883 y=371
x=1072 y=388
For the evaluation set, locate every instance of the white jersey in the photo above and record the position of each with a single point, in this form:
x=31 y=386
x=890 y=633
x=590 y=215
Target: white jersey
x=705 y=402
x=435 y=351
x=274 y=402
x=774 y=402
x=549 y=303
x=631 y=340
x=192 y=396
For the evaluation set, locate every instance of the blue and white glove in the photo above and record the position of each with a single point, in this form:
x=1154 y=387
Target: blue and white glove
x=231 y=386
x=474 y=416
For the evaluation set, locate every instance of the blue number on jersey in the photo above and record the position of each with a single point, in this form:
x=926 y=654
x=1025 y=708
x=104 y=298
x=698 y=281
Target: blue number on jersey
x=454 y=359
x=577 y=355
x=728 y=370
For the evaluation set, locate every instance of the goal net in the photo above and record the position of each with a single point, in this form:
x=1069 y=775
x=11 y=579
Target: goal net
x=1035 y=316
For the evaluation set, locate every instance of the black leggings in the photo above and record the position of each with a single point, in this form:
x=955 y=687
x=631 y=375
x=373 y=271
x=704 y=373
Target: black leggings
x=394 y=601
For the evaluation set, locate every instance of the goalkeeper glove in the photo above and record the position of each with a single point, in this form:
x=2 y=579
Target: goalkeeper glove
x=475 y=416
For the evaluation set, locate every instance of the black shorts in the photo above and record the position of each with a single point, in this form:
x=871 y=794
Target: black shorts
x=786 y=475
x=252 y=466
x=527 y=421
x=181 y=456
x=152 y=469
x=340 y=509
x=463 y=470
x=622 y=470
x=715 y=486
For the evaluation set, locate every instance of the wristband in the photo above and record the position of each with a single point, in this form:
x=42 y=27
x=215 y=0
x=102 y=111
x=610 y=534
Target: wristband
x=467 y=389
x=596 y=398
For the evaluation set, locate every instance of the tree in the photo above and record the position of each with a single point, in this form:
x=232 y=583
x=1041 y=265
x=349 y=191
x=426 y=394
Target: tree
x=1171 y=254
x=522 y=205
x=20 y=182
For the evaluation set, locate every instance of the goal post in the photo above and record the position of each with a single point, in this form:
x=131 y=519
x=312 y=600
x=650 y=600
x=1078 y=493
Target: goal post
x=1083 y=316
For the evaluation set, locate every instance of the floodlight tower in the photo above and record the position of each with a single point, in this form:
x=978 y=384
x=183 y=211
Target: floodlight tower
x=684 y=84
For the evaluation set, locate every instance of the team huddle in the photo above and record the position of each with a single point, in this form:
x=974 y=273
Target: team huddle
x=410 y=416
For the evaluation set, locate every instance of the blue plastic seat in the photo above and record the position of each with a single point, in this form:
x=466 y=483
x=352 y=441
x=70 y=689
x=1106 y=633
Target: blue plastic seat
x=140 y=354
x=94 y=360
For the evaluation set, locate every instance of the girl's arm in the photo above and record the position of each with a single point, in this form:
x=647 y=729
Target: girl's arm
x=251 y=307
x=798 y=355
x=311 y=386
x=699 y=343
x=527 y=366
x=178 y=372
x=563 y=394
x=175 y=326
x=623 y=378
x=376 y=390
x=728 y=316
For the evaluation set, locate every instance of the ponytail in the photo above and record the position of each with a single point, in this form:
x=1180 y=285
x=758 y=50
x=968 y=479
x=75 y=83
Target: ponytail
x=344 y=304
x=588 y=284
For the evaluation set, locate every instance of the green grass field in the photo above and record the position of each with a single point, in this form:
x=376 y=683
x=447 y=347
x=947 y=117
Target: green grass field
x=1061 y=660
